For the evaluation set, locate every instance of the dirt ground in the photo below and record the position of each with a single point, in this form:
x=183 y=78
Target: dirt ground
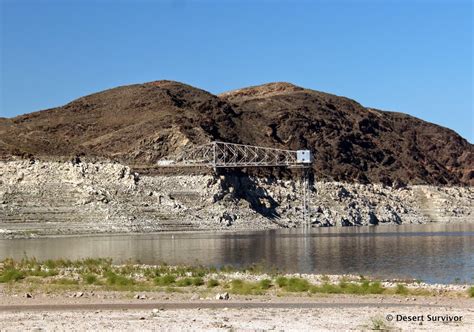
x=163 y=311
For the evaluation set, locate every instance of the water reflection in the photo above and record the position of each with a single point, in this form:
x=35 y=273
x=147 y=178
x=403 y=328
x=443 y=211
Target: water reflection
x=434 y=253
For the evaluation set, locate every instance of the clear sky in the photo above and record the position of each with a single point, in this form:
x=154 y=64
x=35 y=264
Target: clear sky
x=409 y=56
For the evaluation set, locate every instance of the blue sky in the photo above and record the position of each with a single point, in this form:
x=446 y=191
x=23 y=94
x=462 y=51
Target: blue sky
x=413 y=57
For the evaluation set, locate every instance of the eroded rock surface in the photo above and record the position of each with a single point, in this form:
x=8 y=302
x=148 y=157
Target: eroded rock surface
x=73 y=197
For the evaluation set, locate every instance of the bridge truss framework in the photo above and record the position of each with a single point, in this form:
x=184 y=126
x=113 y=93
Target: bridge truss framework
x=221 y=154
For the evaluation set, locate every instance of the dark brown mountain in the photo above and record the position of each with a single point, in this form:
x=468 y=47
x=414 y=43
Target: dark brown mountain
x=138 y=124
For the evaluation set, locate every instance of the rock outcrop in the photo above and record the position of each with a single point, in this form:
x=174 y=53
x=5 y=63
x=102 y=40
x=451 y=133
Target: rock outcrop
x=40 y=198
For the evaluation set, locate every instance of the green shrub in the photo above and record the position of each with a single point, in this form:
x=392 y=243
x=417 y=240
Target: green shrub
x=165 y=280
x=335 y=289
x=50 y=264
x=349 y=288
x=237 y=283
x=199 y=271
x=355 y=288
x=366 y=287
x=401 y=289
x=245 y=287
x=326 y=288
x=343 y=284
x=11 y=275
x=265 y=284
x=375 y=288
x=118 y=280
x=90 y=279
x=379 y=324
x=470 y=291
x=281 y=281
x=184 y=282
x=297 y=285
x=212 y=283
x=197 y=281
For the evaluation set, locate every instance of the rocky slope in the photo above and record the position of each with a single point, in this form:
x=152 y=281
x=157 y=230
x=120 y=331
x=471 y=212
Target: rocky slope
x=138 y=124
x=44 y=198
x=73 y=169
x=351 y=142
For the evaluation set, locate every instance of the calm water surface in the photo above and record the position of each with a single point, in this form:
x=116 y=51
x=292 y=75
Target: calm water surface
x=432 y=253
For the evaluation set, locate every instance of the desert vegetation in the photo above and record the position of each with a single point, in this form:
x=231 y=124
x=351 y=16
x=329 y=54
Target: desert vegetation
x=102 y=274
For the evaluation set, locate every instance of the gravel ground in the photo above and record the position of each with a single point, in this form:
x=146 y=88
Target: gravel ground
x=178 y=312
x=362 y=318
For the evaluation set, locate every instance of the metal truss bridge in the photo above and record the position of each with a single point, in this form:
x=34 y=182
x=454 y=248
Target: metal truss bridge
x=221 y=154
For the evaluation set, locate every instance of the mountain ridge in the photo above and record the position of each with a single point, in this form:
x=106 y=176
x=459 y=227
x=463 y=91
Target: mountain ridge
x=141 y=123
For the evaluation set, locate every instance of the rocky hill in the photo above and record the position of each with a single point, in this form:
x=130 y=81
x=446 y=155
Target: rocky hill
x=139 y=124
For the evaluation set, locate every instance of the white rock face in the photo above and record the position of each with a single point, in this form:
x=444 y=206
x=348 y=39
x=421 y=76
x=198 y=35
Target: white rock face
x=67 y=198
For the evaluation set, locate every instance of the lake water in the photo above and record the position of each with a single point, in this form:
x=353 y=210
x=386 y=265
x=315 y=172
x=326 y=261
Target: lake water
x=432 y=253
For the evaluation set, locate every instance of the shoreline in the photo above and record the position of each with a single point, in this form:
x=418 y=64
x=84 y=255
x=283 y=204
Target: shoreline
x=109 y=246
x=323 y=230
x=96 y=294
x=102 y=274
